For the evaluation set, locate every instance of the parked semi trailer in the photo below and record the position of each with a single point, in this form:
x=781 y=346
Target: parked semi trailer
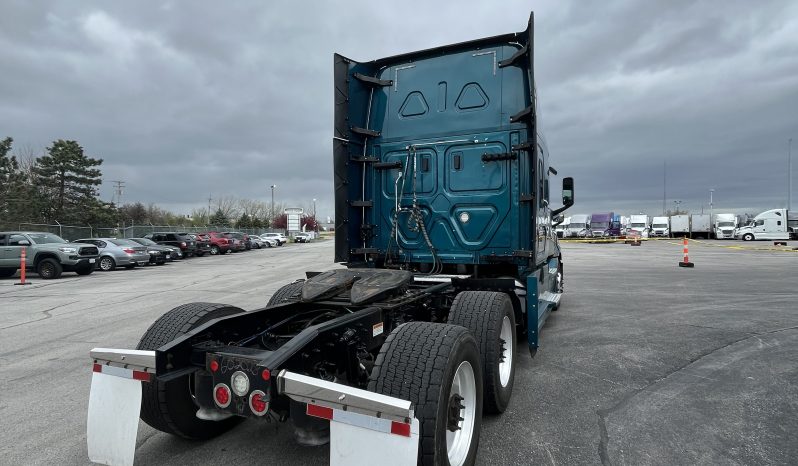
x=444 y=227
x=660 y=227
x=771 y=224
x=579 y=226
x=640 y=225
x=605 y=224
x=680 y=226
x=562 y=228
x=700 y=226
x=724 y=226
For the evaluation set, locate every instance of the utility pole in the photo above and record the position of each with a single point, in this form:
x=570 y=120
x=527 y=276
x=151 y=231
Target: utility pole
x=711 y=191
x=789 y=173
x=271 y=214
x=315 y=220
x=664 y=184
x=118 y=191
x=210 y=198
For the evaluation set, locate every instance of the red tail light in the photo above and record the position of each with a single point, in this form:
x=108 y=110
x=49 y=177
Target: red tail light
x=129 y=251
x=221 y=395
x=257 y=403
x=214 y=365
x=266 y=374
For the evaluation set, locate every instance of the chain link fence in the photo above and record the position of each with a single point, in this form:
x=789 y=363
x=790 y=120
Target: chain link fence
x=73 y=232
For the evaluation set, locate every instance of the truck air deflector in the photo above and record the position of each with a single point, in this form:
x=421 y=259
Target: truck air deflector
x=444 y=174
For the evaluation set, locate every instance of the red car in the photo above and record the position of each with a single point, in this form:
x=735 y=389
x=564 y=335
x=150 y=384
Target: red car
x=220 y=244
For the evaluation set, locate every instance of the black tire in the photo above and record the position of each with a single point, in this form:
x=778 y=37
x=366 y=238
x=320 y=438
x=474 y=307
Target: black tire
x=5 y=273
x=418 y=362
x=215 y=250
x=85 y=270
x=748 y=237
x=482 y=313
x=49 y=269
x=289 y=291
x=106 y=264
x=169 y=407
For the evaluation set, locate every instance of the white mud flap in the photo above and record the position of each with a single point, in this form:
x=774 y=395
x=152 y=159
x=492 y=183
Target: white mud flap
x=363 y=439
x=365 y=427
x=114 y=408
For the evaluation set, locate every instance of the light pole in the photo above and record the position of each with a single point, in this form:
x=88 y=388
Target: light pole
x=677 y=203
x=315 y=220
x=271 y=214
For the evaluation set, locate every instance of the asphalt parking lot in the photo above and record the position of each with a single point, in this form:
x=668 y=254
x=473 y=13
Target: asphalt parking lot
x=645 y=363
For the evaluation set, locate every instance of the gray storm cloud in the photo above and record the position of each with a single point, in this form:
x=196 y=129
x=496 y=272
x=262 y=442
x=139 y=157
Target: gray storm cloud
x=231 y=97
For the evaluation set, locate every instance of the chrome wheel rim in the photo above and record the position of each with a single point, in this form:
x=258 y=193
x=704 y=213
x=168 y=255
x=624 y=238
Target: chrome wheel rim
x=458 y=441
x=105 y=263
x=506 y=346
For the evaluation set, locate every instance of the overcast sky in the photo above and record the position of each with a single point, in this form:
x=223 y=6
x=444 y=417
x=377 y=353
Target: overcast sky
x=189 y=99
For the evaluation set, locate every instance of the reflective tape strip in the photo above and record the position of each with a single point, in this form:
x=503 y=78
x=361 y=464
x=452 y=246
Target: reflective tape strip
x=360 y=420
x=122 y=372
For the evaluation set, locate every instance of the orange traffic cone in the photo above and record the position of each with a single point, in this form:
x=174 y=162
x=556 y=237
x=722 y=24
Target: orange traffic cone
x=686 y=262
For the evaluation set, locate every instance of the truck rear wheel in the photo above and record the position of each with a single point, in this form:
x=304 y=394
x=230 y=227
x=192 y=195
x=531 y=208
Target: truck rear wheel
x=170 y=407
x=489 y=316
x=437 y=367
x=289 y=291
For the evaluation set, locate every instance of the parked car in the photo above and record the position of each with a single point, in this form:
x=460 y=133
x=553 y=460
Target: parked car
x=236 y=245
x=219 y=244
x=279 y=237
x=203 y=245
x=257 y=242
x=169 y=253
x=302 y=238
x=46 y=254
x=242 y=237
x=118 y=252
x=186 y=245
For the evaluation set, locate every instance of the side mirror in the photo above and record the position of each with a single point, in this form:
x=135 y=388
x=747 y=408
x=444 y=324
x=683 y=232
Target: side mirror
x=558 y=219
x=568 y=191
x=567 y=195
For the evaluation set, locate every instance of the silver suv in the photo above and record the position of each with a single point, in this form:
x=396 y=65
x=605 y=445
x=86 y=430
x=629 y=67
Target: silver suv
x=279 y=237
x=47 y=254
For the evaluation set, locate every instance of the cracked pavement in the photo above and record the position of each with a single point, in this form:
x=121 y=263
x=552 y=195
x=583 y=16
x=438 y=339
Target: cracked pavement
x=645 y=363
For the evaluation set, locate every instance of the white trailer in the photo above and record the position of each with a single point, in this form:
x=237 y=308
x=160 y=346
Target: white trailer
x=680 y=225
x=660 y=227
x=700 y=226
x=640 y=224
x=770 y=224
x=724 y=226
x=579 y=226
x=562 y=228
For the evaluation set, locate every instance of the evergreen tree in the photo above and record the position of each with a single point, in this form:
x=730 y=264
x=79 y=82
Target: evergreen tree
x=219 y=219
x=244 y=222
x=9 y=178
x=67 y=179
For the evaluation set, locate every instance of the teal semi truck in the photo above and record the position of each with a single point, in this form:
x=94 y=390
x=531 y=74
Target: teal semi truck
x=444 y=228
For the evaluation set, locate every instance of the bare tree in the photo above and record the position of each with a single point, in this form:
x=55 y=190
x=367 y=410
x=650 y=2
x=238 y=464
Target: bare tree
x=229 y=206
